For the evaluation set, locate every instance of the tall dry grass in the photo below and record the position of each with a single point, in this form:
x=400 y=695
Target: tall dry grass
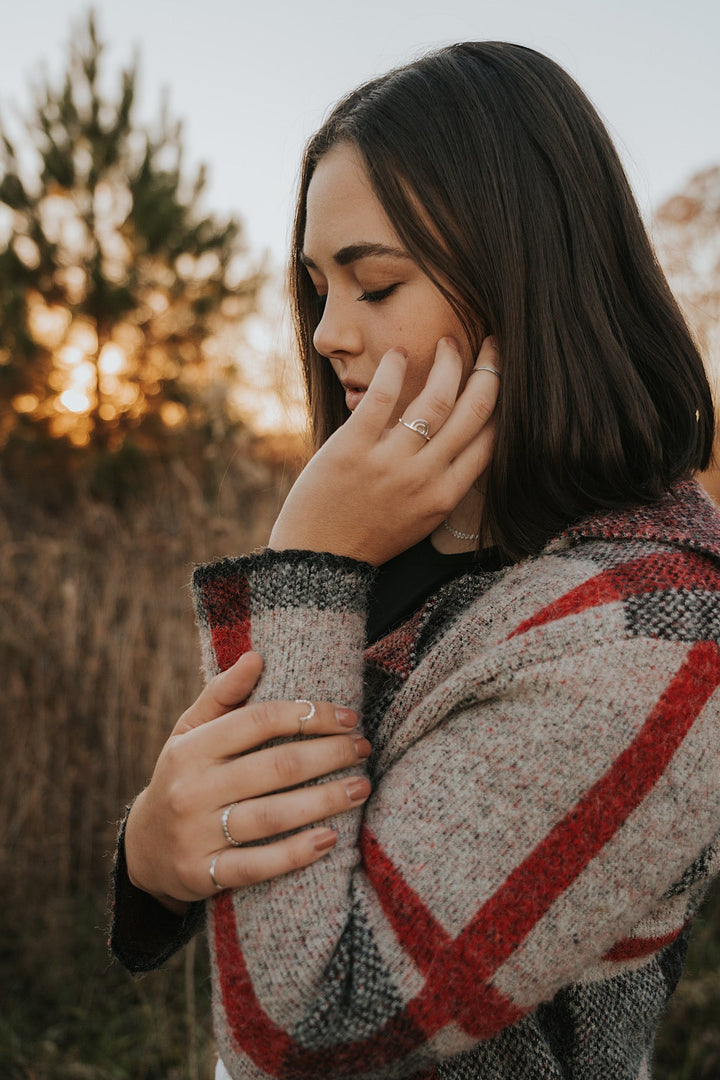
x=98 y=656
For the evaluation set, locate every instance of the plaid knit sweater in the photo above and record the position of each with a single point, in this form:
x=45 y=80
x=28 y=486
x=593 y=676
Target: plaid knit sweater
x=513 y=901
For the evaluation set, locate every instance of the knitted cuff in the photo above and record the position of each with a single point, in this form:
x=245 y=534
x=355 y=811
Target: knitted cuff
x=305 y=609
x=143 y=933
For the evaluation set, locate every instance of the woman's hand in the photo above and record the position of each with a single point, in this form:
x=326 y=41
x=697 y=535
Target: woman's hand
x=375 y=488
x=175 y=827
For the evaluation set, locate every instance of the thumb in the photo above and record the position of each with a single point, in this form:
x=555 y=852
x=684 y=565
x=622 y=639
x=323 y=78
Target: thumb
x=223 y=693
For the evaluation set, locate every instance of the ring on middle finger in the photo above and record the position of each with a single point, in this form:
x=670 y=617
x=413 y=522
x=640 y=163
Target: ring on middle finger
x=226 y=828
x=420 y=426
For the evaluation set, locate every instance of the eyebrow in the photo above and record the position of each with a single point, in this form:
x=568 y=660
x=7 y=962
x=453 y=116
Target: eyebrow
x=354 y=252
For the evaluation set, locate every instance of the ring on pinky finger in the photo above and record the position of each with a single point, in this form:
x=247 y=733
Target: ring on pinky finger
x=216 y=884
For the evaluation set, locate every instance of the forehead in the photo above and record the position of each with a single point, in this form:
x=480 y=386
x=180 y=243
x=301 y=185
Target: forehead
x=341 y=206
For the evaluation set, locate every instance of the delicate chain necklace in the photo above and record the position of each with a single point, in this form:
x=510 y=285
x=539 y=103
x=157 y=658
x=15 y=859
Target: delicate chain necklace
x=459 y=535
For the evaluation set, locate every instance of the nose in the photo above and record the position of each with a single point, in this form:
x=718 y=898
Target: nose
x=338 y=332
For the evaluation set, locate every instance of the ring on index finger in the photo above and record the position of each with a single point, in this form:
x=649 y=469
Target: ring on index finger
x=483 y=367
x=308 y=716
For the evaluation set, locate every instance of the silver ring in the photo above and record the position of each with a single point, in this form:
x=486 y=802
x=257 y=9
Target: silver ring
x=226 y=831
x=420 y=426
x=214 y=880
x=309 y=715
x=480 y=367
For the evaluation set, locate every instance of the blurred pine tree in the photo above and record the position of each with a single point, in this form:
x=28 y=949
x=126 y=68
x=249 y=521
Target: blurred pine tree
x=114 y=287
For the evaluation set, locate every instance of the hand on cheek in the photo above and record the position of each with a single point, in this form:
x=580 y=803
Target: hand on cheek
x=377 y=486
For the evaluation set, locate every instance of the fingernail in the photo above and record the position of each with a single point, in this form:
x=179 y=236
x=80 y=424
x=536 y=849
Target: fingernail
x=357 y=790
x=325 y=840
x=451 y=342
x=399 y=348
x=346 y=717
x=363 y=749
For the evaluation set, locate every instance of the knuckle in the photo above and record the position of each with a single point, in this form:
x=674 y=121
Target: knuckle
x=262 y=720
x=245 y=872
x=262 y=820
x=439 y=404
x=447 y=501
x=382 y=397
x=296 y=853
x=286 y=764
x=177 y=797
x=335 y=796
x=173 y=754
x=482 y=408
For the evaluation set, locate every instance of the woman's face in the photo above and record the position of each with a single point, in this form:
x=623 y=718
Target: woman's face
x=374 y=296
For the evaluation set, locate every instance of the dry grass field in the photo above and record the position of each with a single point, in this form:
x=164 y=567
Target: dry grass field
x=98 y=657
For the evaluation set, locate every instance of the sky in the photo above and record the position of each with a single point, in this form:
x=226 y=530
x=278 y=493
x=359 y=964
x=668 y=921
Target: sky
x=252 y=81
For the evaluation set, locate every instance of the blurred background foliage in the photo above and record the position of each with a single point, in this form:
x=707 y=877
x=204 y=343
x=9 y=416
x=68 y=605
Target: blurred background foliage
x=140 y=431
x=119 y=296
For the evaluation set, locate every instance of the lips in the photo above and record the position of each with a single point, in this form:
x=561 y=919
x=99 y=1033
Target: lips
x=353 y=394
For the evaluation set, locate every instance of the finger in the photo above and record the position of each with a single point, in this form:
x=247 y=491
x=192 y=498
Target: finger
x=224 y=692
x=377 y=409
x=437 y=398
x=287 y=765
x=236 y=868
x=473 y=409
x=253 y=725
x=489 y=358
x=270 y=815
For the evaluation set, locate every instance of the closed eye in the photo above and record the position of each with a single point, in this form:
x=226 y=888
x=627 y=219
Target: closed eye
x=378 y=295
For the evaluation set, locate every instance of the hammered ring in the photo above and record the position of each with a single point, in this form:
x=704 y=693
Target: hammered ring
x=225 y=827
x=308 y=716
x=214 y=880
x=421 y=427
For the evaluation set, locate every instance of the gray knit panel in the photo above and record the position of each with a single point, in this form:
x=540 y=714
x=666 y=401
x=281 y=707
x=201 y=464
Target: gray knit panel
x=674 y=614
x=522 y=1052
x=358 y=996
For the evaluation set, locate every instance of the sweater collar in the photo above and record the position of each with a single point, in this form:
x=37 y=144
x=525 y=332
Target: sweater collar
x=686 y=518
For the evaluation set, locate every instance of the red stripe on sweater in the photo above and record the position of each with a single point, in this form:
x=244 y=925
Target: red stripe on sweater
x=652 y=573
x=512 y=912
x=452 y=992
x=230 y=638
x=252 y=1029
x=420 y=934
x=633 y=948
x=558 y=860
x=269 y=1046
x=458 y=973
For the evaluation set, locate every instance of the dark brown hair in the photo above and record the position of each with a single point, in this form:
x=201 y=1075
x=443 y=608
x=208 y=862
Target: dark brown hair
x=604 y=401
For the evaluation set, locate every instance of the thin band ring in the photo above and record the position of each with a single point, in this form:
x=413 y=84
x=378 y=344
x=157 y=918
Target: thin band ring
x=308 y=716
x=480 y=367
x=419 y=426
x=214 y=880
x=225 y=827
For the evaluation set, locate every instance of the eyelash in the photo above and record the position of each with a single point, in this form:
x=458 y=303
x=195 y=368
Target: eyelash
x=374 y=297
x=378 y=295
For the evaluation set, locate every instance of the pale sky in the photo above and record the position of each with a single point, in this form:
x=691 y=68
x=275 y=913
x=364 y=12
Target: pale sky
x=251 y=81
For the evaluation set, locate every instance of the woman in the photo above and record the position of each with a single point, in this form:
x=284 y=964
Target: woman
x=498 y=561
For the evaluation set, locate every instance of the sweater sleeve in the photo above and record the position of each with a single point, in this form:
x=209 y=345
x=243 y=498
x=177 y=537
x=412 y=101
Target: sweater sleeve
x=144 y=933
x=520 y=838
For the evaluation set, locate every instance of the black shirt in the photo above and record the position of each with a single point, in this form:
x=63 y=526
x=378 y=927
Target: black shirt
x=403 y=583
